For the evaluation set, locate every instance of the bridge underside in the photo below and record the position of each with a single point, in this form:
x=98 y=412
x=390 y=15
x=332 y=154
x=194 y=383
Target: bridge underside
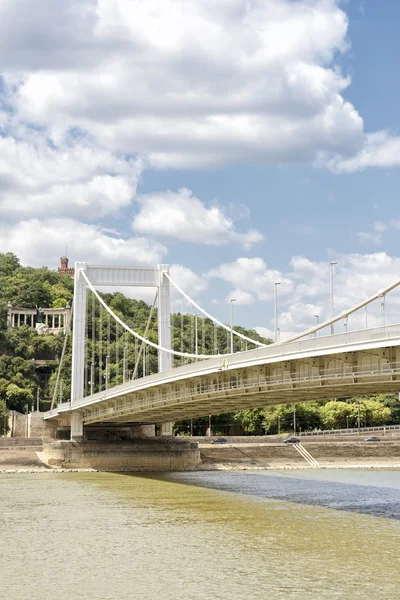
x=233 y=389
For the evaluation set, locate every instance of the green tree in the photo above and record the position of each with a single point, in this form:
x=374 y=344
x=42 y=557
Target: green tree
x=3 y=418
x=18 y=398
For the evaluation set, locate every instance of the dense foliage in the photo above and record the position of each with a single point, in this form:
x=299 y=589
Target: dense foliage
x=28 y=361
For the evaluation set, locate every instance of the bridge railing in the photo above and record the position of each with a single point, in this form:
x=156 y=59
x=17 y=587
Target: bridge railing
x=350 y=430
x=263 y=356
x=234 y=384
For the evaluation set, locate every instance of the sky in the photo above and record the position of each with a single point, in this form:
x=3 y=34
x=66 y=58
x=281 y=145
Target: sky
x=242 y=142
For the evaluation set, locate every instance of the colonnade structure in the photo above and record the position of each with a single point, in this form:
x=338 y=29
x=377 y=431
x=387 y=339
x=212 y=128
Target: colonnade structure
x=53 y=320
x=307 y=366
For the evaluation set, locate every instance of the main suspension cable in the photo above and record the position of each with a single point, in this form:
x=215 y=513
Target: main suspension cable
x=244 y=337
x=137 y=335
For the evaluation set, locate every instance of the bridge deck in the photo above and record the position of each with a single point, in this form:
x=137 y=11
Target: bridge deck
x=361 y=362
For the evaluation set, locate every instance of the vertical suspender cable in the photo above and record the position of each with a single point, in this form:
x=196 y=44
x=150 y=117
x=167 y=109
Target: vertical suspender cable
x=182 y=357
x=192 y=340
x=136 y=359
x=135 y=371
x=125 y=359
x=67 y=330
x=116 y=354
x=100 y=348
x=108 y=351
x=93 y=344
x=86 y=349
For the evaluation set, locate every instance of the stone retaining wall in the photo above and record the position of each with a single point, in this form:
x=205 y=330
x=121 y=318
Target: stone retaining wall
x=130 y=455
x=270 y=455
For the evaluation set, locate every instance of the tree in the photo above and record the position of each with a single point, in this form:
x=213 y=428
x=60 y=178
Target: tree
x=8 y=263
x=3 y=418
x=18 y=398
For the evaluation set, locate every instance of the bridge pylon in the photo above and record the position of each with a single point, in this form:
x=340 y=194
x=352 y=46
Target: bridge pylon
x=116 y=276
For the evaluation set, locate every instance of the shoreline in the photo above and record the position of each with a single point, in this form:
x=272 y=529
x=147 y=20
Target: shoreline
x=208 y=467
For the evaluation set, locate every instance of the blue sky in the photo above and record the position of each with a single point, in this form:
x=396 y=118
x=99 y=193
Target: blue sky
x=243 y=143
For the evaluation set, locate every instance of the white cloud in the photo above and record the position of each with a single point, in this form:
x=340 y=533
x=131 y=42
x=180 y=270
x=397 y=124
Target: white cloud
x=252 y=276
x=182 y=216
x=189 y=281
x=380 y=149
x=305 y=291
x=240 y=297
x=185 y=83
x=264 y=332
x=379 y=228
x=42 y=242
x=78 y=180
x=375 y=236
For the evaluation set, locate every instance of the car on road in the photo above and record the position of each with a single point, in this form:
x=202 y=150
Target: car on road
x=291 y=440
x=219 y=441
x=372 y=438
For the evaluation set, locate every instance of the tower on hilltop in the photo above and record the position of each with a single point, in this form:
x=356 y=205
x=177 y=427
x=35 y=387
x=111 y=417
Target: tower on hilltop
x=64 y=269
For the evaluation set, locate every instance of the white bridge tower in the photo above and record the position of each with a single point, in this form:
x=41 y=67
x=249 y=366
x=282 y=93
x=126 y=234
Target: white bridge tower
x=116 y=277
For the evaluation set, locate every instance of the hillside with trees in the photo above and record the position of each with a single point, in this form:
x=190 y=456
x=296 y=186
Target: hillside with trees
x=29 y=361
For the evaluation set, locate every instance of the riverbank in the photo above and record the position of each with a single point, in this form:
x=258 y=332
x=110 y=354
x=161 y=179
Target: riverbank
x=327 y=455
x=227 y=457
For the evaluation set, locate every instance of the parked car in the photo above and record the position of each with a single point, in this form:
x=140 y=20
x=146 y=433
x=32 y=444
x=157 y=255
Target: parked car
x=219 y=441
x=291 y=440
x=372 y=438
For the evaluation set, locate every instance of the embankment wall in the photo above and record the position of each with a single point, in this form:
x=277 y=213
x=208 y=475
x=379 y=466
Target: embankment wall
x=150 y=454
x=285 y=455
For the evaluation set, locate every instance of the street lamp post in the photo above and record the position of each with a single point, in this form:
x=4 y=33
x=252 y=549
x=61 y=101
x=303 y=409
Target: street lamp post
x=382 y=310
x=358 y=419
x=333 y=263
x=276 y=310
x=91 y=379
x=294 y=418
x=231 y=322
x=125 y=362
x=317 y=317
x=196 y=342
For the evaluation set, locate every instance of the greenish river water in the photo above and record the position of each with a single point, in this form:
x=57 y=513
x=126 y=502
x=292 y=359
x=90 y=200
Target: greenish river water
x=218 y=535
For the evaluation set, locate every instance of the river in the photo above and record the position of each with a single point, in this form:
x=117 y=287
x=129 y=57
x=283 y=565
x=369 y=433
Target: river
x=203 y=535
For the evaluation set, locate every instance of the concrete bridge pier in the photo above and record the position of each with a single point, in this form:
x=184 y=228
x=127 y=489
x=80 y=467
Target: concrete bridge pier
x=164 y=331
x=166 y=429
x=76 y=426
x=140 y=454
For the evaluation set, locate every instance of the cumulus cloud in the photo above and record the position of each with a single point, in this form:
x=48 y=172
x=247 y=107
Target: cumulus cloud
x=252 y=278
x=42 y=242
x=375 y=236
x=189 y=281
x=305 y=289
x=378 y=230
x=380 y=149
x=182 y=216
x=73 y=180
x=186 y=83
x=240 y=297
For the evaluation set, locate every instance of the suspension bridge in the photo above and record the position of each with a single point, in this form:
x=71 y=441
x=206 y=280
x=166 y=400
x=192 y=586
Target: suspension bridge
x=133 y=385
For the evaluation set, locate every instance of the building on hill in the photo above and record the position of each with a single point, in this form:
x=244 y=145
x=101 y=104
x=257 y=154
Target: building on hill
x=64 y=269
x=44 y=320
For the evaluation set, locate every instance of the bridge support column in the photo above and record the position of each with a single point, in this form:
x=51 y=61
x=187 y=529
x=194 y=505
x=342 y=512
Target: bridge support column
x=78 y=334
x=78 y=348
x=76 y=426
x=166 y=429
x=164 y=330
